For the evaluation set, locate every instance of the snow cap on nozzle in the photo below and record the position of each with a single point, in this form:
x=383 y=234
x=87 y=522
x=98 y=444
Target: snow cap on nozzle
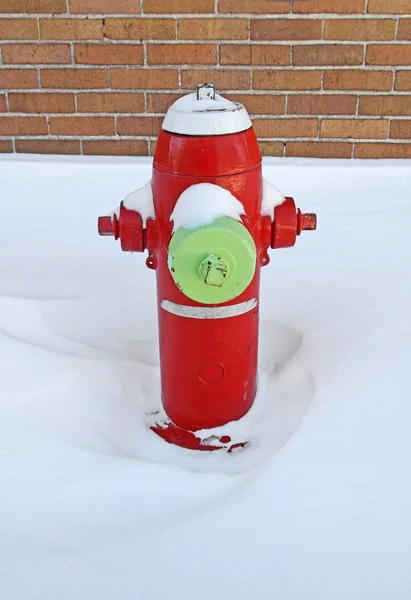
x=206 y=113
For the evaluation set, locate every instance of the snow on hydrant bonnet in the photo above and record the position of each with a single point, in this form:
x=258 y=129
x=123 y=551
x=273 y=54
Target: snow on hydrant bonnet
x=207 y=220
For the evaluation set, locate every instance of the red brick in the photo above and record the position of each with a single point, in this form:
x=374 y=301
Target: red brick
x=140 y=29
x=74 y=78
x=321 y=104
x=404 y=29
x=18 y=78
x=254 y=6
x=319 y=149
x=385 y=105
x=115 y=147
x=178 y=6
x=82 y=126
x=402 y=80
x=382 y=150
x=285 y=29
x=3 y=104
x=160 y=103
x=328 y=54
x=389 y=6
x=145 y=79
x=33 y=6
x=388 y=54
x=108 y=54
x=48 y=146
x=329 y=6
x=354 y=128
x=401 y=130
x=41 y=103
x=71 y=29
x=6 y=146
x=213 y=29
x=181 y=54
x=109 y=7
x=287 y=80
x=18 y=29
x=110 y=102
x=360 y=29
x=23 y=125
x=261 y=104
x=36 y=54
x=223 y=79
x=237 y=54
x=271 y=148
x=357 y=79
x=139 y=125
x=285 y=128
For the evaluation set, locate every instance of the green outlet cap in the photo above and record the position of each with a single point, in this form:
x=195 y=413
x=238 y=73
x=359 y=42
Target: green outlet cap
x=213 y=263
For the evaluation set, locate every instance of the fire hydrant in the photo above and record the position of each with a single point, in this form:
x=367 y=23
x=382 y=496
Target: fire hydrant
x=207 y=219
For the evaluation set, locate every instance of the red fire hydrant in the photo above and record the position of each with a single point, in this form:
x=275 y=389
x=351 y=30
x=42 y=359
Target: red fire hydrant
x=207 y=219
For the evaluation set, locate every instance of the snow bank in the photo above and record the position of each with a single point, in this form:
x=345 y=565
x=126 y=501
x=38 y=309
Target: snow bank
x=92 y=504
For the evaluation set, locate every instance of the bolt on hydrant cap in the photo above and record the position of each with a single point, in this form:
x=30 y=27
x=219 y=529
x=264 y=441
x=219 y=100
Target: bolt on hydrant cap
x=214 y=270
x=205 y=91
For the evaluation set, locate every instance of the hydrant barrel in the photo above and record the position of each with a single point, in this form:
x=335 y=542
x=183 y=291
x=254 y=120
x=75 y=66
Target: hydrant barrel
x=208 y=351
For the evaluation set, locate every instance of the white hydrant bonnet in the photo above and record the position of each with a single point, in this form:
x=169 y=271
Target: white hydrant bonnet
x=206 y=113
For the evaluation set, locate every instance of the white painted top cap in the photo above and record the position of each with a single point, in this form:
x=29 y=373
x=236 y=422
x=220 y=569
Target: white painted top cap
x=206 y=113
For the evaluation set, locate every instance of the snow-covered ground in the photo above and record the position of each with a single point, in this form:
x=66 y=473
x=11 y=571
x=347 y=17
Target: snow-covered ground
x=94 y=505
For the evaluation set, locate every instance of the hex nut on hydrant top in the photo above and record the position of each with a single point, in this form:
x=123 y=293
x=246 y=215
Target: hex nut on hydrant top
x=207 y=219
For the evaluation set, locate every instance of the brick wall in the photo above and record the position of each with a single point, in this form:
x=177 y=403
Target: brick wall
x=326 y=78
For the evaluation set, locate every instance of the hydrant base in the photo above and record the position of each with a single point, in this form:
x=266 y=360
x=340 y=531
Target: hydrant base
x=188 y=439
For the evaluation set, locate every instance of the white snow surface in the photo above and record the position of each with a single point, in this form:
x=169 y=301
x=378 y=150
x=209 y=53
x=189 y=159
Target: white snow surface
x=203 y=203
x=94 y=505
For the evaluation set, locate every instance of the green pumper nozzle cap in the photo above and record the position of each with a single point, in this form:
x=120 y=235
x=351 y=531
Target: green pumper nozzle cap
x=213 y=263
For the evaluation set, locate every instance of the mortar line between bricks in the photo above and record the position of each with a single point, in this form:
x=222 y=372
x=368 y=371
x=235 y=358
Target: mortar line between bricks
x=211 y=67
x=261 y=16
x=207 y=42
x=255 y=116
x=396 y=28
x=394 y=79
x=116 y=138
x=251 y=92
